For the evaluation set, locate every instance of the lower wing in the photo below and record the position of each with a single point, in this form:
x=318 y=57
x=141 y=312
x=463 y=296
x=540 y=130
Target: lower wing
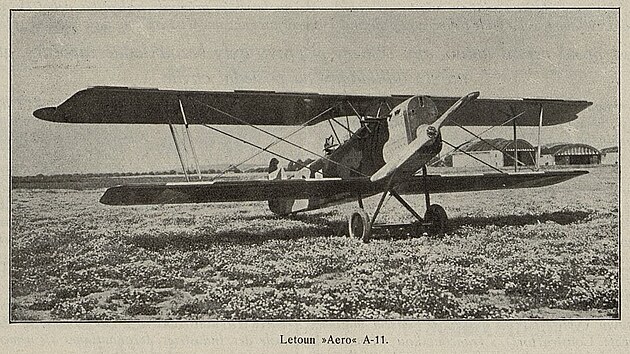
x=261 y=190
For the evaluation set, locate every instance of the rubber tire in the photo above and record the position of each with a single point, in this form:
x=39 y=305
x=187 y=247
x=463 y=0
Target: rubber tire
x=359 y=225
x=436 y=215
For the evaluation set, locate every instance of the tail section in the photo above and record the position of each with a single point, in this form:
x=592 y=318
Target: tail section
x=274 y=171
x=285 y=206
x=278 y=206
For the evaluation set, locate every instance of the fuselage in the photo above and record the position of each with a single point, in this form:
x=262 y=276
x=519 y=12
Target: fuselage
x=359 y=156
x=376 y=142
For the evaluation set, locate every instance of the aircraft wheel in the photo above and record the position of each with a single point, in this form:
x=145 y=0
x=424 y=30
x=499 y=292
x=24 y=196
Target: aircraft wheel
x=359 y=225
x=436 y=216
x=417 y=229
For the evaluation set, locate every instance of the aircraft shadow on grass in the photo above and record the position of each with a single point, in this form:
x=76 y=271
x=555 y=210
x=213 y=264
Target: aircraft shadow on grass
x=559 y=217
x=320 y=225
x=317 y=225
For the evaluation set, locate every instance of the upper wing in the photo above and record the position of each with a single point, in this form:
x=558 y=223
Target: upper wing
x=496 y=111
x=208 y=192
x=152 y=106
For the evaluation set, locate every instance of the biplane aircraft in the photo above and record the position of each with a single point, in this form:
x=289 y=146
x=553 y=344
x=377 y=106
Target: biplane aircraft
x=388 y=154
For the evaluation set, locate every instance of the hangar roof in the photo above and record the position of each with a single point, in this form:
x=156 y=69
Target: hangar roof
x=608 y=150
x=564 y=149
x=498 y=143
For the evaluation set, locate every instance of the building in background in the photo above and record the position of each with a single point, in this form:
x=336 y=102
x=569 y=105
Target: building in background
x=569 y=154
x=610 y=155
x=496 y=152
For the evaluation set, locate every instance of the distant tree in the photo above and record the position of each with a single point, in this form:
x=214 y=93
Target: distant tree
x=257 y=169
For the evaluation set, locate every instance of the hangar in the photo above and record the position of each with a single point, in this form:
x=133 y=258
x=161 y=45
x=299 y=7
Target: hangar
x=569 y=154
x=488 y=151
x=610 y=155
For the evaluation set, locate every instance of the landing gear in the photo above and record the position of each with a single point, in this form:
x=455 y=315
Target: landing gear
x=359 y=225
x=433 y=224
x=435 y=218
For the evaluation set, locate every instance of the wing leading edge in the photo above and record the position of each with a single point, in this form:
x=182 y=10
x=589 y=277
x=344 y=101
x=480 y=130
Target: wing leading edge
x=260 y=190
x=122 y=105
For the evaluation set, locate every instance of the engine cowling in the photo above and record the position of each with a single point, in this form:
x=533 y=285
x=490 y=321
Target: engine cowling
x=404 y=122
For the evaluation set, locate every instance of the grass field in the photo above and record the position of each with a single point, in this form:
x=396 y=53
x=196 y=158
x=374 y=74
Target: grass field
x=550 y=252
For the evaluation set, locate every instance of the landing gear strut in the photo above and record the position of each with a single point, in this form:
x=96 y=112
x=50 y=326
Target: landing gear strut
x=434 y=222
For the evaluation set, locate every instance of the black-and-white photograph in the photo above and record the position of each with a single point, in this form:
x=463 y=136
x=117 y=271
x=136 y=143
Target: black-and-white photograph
x=314 y=165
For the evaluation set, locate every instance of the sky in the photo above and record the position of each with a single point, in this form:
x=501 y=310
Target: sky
x=564 y=54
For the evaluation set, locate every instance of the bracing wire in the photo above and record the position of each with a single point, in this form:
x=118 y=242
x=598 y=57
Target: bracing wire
x=474 y=157
x=179 y=153
x=284 y=139
x=350 y=132
x=263 y=149
x=456 y=148
x=504 y=152
x=334 y=132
